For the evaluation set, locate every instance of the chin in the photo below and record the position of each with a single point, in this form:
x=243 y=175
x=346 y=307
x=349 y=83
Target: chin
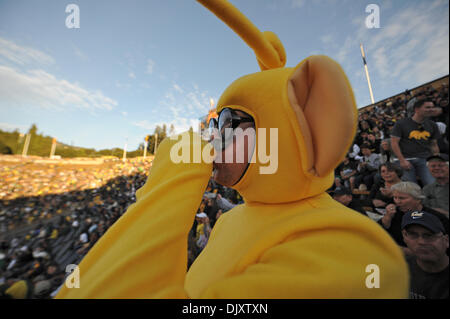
x=426 y=257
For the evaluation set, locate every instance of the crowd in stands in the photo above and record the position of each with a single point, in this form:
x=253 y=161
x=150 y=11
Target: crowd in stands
x=25 y=187
x=48 y=233
x=58 y=230
x=391 y=172
x=397 y=173
x=382 y=127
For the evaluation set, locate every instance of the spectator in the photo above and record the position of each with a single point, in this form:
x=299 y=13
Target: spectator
x=365 y=118
x=415 y=139
x=368 y=167
x=344 y=196
x=437 y=192
x=366 y=127
x=211 y=209
x=224 y=204
x=381 y=194
x=347 y=171
x=354 y=153
x=374 y=142
x=203 y=230
x=443 y=138
x=426 y=238
x=408 y=197
x=388 y=129
x=386 y=154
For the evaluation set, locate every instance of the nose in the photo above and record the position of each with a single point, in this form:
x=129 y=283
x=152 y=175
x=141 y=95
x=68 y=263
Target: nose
x=421 y=241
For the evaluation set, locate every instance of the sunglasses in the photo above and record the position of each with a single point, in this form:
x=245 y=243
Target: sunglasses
x=225 y=125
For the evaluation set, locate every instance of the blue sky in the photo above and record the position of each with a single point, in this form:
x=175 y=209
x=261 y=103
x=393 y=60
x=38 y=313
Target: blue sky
x=134 y=64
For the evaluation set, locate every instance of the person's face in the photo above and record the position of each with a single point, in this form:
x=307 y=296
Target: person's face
x=424 y=244
x=385 y=145
x=406 y=202
x=366 y=151
x=426 y=110
x=388 y=175
x=364 y=125
x=228 y=174
x=51 y=270
x=438 y=169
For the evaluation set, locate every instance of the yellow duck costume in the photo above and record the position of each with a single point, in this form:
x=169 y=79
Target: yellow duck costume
x=290 y=239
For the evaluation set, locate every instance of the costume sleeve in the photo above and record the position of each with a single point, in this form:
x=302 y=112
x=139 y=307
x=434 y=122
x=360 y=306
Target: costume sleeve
x=322 y=265
x=144 y=254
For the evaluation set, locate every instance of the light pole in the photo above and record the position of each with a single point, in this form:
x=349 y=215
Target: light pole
x=52 y=151
x=25 y=146
x=367 y=73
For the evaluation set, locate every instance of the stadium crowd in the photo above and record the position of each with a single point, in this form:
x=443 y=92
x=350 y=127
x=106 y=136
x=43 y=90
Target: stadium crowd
x=394 y=173
x=40 y=235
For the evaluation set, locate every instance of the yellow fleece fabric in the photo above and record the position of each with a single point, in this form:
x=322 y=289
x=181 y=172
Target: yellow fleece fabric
x=290 y=239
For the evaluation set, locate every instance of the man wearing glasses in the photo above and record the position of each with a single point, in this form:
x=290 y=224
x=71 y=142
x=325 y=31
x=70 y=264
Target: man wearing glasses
x=237 y=128
x=425 y=236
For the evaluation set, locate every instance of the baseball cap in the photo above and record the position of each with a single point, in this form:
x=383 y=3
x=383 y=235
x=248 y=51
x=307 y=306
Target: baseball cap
x=424 y=219
x=442 y=157
x=201 y=215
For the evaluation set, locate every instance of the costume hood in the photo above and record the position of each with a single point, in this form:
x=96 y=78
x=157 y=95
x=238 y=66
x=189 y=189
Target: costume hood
x=312 y=106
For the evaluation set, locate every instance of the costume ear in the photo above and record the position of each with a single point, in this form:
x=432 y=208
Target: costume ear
x=322 y=98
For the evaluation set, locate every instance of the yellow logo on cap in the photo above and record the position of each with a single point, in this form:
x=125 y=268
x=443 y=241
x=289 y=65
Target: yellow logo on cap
x=417 y=215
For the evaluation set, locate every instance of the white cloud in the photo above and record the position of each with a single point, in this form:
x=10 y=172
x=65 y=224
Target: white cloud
x=23 y=55
x=411 y=45
x=44 y=90
x=132 y=75
x=150 y=65
x=177 y=88
x=124 y=113
x=185 y=106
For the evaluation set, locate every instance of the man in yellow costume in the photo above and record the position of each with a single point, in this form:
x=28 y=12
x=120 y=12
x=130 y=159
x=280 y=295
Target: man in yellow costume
x=290 y=239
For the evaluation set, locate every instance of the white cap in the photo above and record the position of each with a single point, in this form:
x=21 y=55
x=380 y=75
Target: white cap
x=201 y=215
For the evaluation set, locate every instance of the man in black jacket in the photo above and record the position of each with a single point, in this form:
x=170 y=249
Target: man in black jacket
x=425 y=236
